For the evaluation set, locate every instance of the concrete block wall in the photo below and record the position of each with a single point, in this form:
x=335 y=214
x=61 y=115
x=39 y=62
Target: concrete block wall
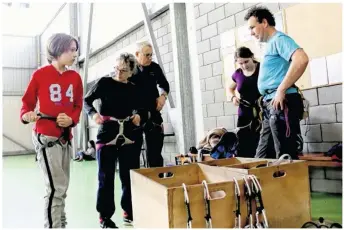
x=162 y=31
x=211 y=20
x=325 y=130
x=325 y=118
x=327 y=180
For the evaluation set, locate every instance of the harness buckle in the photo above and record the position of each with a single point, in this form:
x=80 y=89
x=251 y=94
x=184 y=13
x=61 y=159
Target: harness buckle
x=50 y=144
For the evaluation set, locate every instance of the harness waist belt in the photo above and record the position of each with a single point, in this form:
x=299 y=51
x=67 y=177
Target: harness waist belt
x=65 y=132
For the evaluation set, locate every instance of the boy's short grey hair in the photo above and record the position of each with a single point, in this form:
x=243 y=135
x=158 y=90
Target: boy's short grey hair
x=141 y=45
x=57 y=44
x=129 y=59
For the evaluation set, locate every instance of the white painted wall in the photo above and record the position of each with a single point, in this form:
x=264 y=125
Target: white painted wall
x=12 y=126
x=9 y=146
x=196 y=89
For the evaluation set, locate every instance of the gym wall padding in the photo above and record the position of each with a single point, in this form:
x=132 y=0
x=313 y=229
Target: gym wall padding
x=317 y=28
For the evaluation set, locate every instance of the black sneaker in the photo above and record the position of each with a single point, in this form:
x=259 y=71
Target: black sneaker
x=107 y=223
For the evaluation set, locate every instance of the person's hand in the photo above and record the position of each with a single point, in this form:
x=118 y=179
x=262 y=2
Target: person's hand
x=278 y=100
x=235 y=101
x=30 y=117
x=136 y=119
x=63 y=120
x=97 y=118
x=160 y=102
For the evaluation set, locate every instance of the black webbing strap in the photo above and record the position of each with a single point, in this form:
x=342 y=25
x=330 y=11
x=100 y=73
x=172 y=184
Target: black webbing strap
x=64 y=134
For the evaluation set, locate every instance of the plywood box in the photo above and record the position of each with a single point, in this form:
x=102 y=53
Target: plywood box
x=228 y=161
x=285 y=191
x=159 y=202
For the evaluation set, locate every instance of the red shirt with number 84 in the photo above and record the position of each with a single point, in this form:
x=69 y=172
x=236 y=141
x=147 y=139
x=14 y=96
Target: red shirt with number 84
x=55 y=93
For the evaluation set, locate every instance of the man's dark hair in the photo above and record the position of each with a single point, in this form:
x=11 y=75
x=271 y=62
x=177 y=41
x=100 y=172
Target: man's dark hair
x=261 y=13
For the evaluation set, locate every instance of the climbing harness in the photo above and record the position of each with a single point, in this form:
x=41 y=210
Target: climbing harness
x=120 y=139
x=321 y=224
x=64 y=138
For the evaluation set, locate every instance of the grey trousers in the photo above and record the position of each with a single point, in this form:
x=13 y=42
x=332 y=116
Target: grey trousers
x=274 y=124
x=55 y=165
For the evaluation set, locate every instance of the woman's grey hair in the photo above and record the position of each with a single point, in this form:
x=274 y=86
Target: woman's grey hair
x=141 y=45
x=129 y=59
x=58 y=44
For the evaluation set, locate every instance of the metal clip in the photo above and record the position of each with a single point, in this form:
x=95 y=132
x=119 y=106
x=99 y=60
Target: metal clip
x=248 y=195
x=187 y=203
x=257 y=189
x=207 y=205
x=237 y=211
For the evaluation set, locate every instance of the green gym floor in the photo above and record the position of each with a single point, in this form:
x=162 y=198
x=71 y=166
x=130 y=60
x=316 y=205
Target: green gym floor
x=23 y=193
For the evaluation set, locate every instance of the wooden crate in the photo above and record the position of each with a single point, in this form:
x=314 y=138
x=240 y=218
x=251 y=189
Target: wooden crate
x=229 y=161
x=159 y=202
x=286 y=198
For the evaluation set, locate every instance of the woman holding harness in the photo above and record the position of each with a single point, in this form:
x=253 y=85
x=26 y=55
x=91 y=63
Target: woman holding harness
x=119 y=136
x=245 y=82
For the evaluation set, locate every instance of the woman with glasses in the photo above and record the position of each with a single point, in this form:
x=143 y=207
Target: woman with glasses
x=119 y=136
x=245 y=82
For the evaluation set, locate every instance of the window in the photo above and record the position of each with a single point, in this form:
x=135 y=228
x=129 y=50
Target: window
x=24 y=5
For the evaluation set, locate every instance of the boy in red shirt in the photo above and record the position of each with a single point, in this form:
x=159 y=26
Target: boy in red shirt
x=59 y=94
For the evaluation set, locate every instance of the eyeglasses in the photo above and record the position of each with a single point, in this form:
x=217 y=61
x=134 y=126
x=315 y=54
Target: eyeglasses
x=148 y=54
x=121 y=70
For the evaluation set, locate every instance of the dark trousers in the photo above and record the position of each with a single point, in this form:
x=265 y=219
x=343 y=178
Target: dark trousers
x=128 y=157
x=248 y=137
x=154 y=143
x=274 y=124
x=87 y=157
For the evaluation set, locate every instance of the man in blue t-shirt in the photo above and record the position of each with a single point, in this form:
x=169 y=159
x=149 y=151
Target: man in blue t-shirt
x=283 y=64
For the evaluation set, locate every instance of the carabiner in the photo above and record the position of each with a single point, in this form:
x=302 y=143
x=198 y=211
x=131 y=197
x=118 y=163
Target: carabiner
x=257 y=194
x=248 y=196
x=237 y=211
x=187 y=203
x=207 y=205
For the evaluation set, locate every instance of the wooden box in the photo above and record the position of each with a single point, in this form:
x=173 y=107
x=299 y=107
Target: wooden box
x=159 y=202
x=229 y=161
x=285 y=191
